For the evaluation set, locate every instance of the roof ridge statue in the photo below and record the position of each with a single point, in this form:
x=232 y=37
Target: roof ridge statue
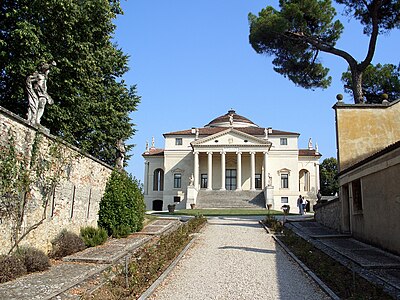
x=36 y=88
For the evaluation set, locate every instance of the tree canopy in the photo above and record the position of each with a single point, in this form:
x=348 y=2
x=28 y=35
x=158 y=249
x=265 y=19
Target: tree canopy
x=328 y=177
x=91 y=103
x=377 y=80
x=297 y=33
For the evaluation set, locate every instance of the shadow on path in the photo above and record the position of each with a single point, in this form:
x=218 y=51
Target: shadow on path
x=249 y=249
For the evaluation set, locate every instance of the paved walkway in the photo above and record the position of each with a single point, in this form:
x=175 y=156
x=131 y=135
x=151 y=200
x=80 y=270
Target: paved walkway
x=81 y=271
x=233 y=258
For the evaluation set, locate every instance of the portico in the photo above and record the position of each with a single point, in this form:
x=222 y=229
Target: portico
x=216 y=169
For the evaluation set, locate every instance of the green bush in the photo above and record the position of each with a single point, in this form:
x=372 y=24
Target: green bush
x=34 y=260
x=93 y=236
x=273 y=224
x=11 y=267
x=122 y=207
x=66 y=243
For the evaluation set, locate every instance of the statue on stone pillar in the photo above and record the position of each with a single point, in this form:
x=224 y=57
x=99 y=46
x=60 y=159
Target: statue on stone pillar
x=36 y=88
x=191 y=180
x=120 y=146
x=269 y=179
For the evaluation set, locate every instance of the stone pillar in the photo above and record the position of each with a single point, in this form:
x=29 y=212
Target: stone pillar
x=239 y=171
x=222 y=170
x=196 y=169
x=265 y=169
x=317 y=183
x=253 y=171
x=209 y=171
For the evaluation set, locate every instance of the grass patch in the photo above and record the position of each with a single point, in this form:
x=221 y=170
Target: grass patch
x=345 y=283
x=223 y=212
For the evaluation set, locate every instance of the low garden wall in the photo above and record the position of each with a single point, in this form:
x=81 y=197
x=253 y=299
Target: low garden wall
x=73 y=201
x=328 y=213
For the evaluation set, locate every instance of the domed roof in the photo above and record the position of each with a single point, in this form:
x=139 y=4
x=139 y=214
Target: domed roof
x=231 y=119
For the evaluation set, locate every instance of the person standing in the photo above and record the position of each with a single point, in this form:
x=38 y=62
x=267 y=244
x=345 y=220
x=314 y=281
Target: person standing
x=300 y=204
x=304 y=203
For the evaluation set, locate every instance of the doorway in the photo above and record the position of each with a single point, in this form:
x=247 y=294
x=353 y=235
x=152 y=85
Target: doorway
x=230 y=179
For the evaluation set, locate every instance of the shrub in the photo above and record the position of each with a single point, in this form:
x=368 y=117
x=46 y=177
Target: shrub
x=122 y=231
x=93 y=236
x=34 y=260
x=122 y=206
x=66 y=243
x=272 y=223
x=11 y=267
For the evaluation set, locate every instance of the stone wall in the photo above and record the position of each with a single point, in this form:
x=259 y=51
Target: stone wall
x=364 y=129
x=329 y=214
x=74 y=202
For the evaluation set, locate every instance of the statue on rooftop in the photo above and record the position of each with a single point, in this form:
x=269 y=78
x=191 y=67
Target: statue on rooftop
x=36 y=88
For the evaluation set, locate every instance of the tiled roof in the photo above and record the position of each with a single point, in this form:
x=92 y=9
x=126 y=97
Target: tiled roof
x=154 y=152
x=206 y=131
x=225 y=119
x=308 y=152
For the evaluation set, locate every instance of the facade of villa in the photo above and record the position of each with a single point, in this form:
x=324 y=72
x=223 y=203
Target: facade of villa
x=230 y=162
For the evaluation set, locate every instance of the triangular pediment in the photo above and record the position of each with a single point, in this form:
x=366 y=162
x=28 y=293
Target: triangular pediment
x=231 y=137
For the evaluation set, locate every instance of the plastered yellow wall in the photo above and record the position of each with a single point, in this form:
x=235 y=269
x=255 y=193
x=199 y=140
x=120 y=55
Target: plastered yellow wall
x=364 y=129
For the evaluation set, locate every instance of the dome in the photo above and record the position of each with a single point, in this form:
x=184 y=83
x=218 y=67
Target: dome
x=231 y=119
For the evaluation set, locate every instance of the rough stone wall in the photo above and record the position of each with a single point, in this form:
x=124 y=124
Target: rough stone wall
x=364 y=129
x=329 y=214
x=75 y=201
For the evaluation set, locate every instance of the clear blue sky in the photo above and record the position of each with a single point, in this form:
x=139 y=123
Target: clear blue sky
x=191 y=62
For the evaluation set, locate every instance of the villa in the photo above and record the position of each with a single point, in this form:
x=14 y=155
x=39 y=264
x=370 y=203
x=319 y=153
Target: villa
x=230 y=162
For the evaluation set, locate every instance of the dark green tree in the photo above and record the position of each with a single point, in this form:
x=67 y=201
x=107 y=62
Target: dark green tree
x=122 y=207
x=302 y=29
x=328 y=177
x=91 y=103
x=377 y=80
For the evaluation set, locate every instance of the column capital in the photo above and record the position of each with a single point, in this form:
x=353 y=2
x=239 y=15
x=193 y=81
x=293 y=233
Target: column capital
x=196 y=152
x=209 y=152
x=239 y=152
x=223 y=152
x=265 y=152
x=252 y=152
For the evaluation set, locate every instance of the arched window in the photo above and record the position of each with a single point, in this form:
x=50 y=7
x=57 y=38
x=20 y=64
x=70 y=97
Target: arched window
x=158 y=180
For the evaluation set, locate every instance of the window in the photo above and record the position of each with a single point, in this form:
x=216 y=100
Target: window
x=203 y=183
x=158 y=180
x=284 y=181
x=258 y=181
x=177 y=199
x=178 y=141
x=357 y=195
x=284 y=199
x=283 y=141
x=177 y=180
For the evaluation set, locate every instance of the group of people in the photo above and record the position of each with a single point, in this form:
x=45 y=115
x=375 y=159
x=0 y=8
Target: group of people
x=301 y=204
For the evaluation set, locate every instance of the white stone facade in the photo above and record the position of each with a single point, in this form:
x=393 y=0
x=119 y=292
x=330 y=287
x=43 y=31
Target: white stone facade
x=230 y=153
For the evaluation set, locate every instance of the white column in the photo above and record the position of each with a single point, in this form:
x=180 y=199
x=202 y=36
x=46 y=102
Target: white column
x=196 y=169
x=317 y=183
x=265 y=169
x=253 y=171
x=239 y=171
x=222 y=170
x=209 y=171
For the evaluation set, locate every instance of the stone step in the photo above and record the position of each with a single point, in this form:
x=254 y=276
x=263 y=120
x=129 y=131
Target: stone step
x=230 y=199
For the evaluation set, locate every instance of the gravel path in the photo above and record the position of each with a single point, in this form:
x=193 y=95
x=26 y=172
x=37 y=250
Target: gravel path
x=235 y=259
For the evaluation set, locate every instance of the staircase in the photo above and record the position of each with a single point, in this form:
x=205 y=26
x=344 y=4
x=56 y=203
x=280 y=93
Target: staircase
x=230 y=199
